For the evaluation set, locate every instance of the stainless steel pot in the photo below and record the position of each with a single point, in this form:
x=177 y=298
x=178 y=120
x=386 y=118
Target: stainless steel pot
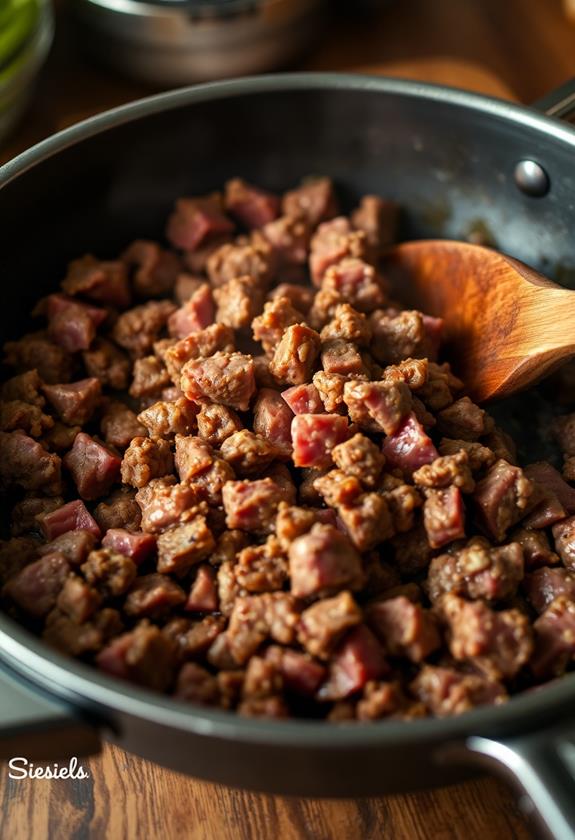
x=175 y=42
x=454 y=160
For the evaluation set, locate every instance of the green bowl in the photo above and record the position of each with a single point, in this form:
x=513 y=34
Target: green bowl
x=26 y=34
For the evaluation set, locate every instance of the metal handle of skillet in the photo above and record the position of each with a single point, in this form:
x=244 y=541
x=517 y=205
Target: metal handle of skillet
x=39 y=727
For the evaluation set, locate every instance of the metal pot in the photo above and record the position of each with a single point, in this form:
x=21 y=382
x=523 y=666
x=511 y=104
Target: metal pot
x=455 y=160
x=175 y=42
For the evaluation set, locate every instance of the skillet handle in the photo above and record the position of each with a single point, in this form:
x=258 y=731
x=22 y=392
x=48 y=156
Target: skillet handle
x=559 y=103
x=38 y=727
x=541 y=765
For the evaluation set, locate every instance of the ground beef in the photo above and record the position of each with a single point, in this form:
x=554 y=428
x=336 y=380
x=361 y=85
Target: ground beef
x=378 y=218
x=501 y=498
x=272 y=421
x=35 y=589
x=73 y=545
x=252 y=505
x=268 y=328
x=323 y=624
x=109 y=572
x=238 y=302
x=119 y=510
x=216 y=423
x=149 y=377
x=181 y=547
x=163 y=503
x=25 y=417
x=322 y=562
x=255 y=260
x=295 y=356
x=119 y=425
x=226 y=378
x=477 y=571
x=405 y=629
x=198 y=345
x=137 y=329
x=107 y=363
x=145 y=459
x=25 y=387
x=315 y=201
x=446 y=691
x=166 y=418
x=26 y=464
x=37 y=352
x=241 y=474
x=248 y=454
x=144 y=656
x=498 y=643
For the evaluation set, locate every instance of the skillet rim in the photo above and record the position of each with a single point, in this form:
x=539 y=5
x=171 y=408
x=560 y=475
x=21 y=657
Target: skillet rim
x=75 y=682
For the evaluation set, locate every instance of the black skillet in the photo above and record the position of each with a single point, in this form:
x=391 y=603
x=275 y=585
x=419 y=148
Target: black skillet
x=459 y=163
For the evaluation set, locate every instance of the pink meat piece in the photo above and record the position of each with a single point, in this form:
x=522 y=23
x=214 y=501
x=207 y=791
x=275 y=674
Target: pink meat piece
x=104 y=282
x=342 y=357
x=71 y=324
x=554 y=638
x=203 y=595
x=251 y=206
x=387 y=404
x=546 y=475
x=133 y=544
x=333 y=241
x=225 y=378
x=252 y=505
x=359 y=659
x=163 y=502
x=547 y=512
x=289 y=239
x=272 y=420
x=94 y=468
x=314 y=200
x=357 y=283
x=75 y=403
x=501 y=498
x=544 y=585
x=112 y=659
x=196 y=314
x=301 y=674
x=70 y=517
x=303 y=399
x=443 y=516
x=323 y=561
x=404 y=628
x=409 y=448
x=36 y=588
x=314 y=436
x=196 y=220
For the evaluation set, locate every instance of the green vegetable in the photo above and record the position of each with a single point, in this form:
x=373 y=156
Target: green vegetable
x=18 y=19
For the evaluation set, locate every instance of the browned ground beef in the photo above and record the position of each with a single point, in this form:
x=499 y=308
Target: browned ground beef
x=238 y=473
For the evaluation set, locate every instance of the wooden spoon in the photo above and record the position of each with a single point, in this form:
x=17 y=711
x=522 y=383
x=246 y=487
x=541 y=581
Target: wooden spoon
x=506 y=326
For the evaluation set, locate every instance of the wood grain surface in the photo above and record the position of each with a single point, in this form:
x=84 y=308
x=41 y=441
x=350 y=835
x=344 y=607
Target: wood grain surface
x=502 y=47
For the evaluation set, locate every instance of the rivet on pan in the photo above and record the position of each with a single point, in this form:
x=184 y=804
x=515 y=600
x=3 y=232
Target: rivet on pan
x=531 y=178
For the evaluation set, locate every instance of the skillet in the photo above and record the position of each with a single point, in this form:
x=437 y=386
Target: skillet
x=459 y=163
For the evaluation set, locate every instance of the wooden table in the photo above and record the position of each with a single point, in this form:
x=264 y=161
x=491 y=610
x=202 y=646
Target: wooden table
x=520 y=48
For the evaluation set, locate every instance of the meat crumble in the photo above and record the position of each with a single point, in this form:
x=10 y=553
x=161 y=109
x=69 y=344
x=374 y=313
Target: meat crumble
x=239 y=473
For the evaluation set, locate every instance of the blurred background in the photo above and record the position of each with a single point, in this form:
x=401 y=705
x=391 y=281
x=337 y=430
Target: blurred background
x=63 y=60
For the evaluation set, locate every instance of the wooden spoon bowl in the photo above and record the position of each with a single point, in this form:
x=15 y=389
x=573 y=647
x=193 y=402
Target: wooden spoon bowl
x=506 y=326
